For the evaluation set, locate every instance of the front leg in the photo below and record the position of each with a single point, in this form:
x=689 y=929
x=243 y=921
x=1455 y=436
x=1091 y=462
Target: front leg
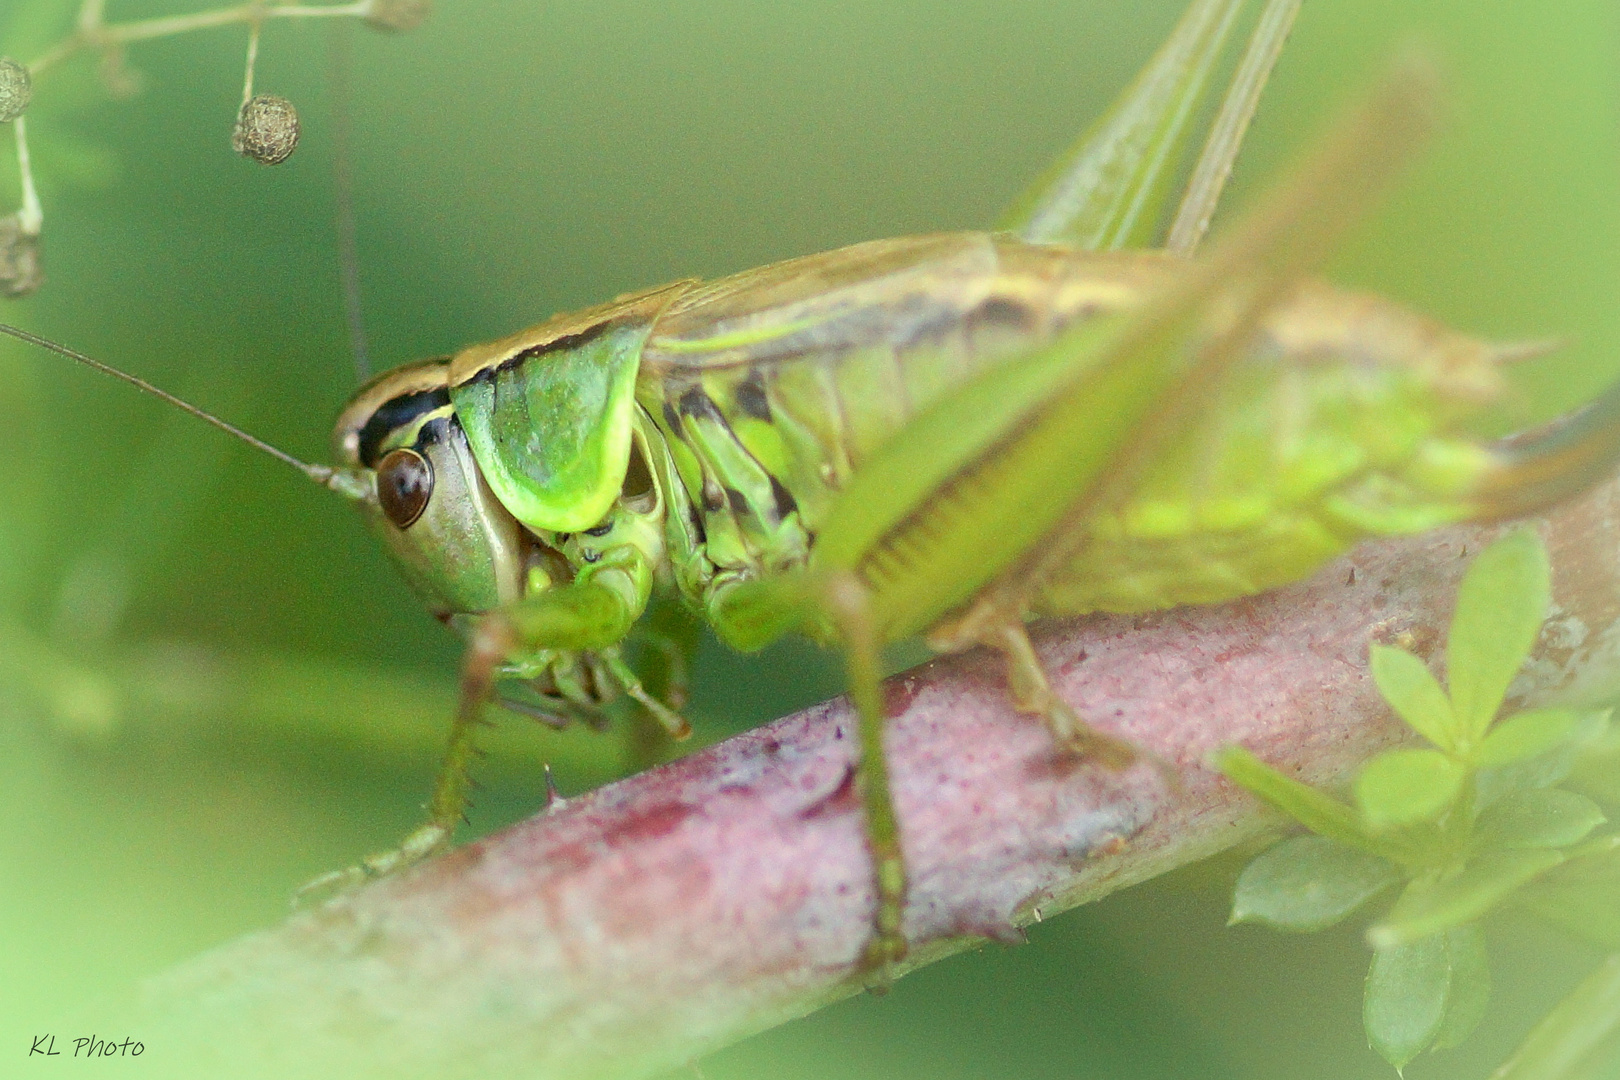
x=592 y=614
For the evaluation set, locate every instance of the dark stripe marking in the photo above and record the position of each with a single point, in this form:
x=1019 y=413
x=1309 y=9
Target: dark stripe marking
x=739 y=504
x=750 y=397
x=562 y=344
x=393 y=414
x=785 y=502
x=696 y=403
x=1005 y=312
x=434 y=431
x=673 y=419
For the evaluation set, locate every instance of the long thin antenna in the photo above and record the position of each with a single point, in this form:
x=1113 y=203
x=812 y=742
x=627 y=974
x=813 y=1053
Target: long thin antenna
x=345 y=482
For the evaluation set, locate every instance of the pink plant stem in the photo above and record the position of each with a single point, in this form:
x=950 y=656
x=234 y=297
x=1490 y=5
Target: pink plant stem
x=657 y=919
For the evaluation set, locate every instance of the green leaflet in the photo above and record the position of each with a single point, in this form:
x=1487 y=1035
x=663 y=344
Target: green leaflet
x=1413 y=692
x=1540 y=818
x=1308 y=883
x=1470 y=989
x=1526 y=735
x=1404 y=787
x=1316 y=810
x=1473 y=825
x=1404 y=1002
x=1427 y=993
x=1486 y=881
x=1500 y=606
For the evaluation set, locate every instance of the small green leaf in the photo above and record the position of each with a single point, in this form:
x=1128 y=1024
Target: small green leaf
x=1317 y=811
x=1414 y=693
x=1579 y=896
x=1486 y=881
x=1549 y=817
x=1583 y=913
x=1597 y=770
x=1526 y=735
x=1500 y=607
x=1563 y=1045
x=1308 y=883
x=1470 y=989
x=1404 y=1003
x=1403 y=787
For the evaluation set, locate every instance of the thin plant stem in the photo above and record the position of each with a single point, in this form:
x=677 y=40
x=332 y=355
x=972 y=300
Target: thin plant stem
x=252 y=61
x=92 y=33
x=30 y=218
x=90 y=13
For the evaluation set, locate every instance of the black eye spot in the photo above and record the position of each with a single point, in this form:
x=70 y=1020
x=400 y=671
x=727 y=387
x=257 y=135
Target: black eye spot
x=404 y=483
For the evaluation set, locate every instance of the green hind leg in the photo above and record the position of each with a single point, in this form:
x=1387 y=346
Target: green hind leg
x=847 y=604
x=998 y=627
x=837 y=606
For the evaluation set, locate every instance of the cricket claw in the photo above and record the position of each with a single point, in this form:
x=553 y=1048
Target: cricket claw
x=882 y=953
x=1074 y=736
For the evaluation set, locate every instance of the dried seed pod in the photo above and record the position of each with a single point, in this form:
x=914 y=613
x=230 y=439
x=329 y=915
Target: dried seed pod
x=16 y=89
x=20 y=272
x=397 y=16
x=266 y=130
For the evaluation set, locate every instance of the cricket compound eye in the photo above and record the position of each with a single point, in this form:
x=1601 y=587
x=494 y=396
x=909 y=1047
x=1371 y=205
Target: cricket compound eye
x=404 y=484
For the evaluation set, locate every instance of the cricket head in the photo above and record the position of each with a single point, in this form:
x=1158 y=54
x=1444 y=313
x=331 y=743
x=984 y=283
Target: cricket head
x=404 y=460
x=460 y=549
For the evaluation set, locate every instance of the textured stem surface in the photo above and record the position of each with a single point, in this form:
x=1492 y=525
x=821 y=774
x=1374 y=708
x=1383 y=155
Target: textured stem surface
x=656 y=919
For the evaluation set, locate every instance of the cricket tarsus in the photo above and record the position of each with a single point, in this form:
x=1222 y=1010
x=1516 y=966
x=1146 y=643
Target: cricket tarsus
x=848 y=602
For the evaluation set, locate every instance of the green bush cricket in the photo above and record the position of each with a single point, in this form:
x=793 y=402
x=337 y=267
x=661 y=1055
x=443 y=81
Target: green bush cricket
x=947 y=435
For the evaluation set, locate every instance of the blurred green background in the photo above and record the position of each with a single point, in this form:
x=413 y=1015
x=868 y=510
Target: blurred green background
x=212 y=685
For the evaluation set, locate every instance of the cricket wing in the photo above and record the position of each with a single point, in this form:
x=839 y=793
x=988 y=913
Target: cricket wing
x=997 y=481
